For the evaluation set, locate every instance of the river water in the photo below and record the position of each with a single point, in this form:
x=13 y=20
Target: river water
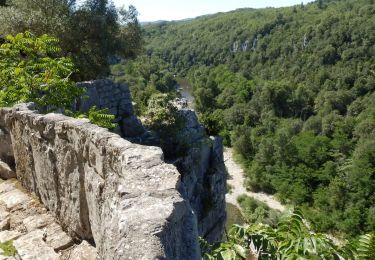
x=186 y=91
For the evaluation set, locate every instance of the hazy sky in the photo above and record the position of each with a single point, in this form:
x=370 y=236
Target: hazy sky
x=152 y=10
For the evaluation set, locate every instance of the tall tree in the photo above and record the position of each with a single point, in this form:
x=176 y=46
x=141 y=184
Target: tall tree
x=91 y=33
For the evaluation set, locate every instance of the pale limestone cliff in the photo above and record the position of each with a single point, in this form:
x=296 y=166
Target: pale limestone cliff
x=202 y=169
x=115 y=194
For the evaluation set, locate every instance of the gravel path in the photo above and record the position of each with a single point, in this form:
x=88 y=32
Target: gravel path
x=236 y=180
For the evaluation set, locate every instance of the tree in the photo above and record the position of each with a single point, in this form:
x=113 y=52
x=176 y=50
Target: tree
x=163 y=117
x=31 y=71
x=291 y=239
x=91 y=33
x=130 y=32
x=320 y=4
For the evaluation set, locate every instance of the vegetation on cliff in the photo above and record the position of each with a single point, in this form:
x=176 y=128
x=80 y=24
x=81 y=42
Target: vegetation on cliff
x=146 y=76
x=7 y=248
x=292 y=90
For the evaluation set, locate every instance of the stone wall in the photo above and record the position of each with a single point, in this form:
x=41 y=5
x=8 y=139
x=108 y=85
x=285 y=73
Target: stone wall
x=117 y=195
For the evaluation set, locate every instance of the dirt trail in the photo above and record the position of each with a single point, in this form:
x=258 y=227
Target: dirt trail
x=236 y=180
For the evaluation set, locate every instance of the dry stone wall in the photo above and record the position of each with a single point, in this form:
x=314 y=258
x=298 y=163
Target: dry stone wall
x=119 y=196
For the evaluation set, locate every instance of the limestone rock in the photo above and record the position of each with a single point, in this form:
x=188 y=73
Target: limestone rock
x=100 y=188
x=13 y=199
x=204 y=178
x=37 y=221
x=5 y=171
x=8 y=235
x=31 y=247
x=84 y=251
x=118 y=195
x=4 y=219
x=6 y=151
x=116 y=97
x=57 y=238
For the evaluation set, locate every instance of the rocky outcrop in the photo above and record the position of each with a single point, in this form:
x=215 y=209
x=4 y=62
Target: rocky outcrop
x=5 y=171
x=202 y=170
x=119 y=196
x=204 y=177
x=6 y=150
x=116 y=97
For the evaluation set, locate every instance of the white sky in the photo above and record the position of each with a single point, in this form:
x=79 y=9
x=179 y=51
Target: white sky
x=153 y=10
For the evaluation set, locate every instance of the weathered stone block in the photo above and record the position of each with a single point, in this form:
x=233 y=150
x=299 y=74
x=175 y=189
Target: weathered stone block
x=5 y=171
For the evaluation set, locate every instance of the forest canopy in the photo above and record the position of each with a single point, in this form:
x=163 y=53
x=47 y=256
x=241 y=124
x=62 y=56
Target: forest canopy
x=92 y=33
x=292 y=90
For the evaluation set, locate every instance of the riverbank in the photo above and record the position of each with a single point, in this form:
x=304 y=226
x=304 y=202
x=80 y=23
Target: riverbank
x=236 y=180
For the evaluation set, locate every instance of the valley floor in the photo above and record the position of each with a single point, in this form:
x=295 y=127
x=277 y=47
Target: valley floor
x=236 y=179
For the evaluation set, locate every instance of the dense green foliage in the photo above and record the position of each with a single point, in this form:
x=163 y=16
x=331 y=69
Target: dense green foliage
x=32 y=71
x=292 y=90
x=145 y=76
x=163 y=117
x=91 y=33
x=100 y=117
x=255 y=211
x=291 y=239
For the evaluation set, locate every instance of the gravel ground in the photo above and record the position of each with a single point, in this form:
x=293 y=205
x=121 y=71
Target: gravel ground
x=236 y=180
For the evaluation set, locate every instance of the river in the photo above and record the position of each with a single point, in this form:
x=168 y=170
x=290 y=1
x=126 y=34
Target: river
x=186 y=91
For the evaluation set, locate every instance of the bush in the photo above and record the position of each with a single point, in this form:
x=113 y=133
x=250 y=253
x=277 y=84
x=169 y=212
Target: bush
x=31 y=71
x=164 y=118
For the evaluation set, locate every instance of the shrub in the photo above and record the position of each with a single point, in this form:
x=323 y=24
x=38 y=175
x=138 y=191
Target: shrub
x=31 y=71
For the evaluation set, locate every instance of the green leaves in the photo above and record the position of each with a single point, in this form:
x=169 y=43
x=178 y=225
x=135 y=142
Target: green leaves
x=366 y=246
x=291 y=239
x=8 y=248
x=31 y=71
x=101 y=117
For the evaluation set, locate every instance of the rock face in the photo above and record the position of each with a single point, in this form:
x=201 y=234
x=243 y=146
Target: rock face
x=6 y=150
x=5 y=171
x=202 y=170
x=204 y=177
x=118 y=195
x=116 y=97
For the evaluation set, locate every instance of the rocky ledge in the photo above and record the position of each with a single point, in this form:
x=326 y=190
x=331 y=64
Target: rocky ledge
x=119 y=196
x=33 y=230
